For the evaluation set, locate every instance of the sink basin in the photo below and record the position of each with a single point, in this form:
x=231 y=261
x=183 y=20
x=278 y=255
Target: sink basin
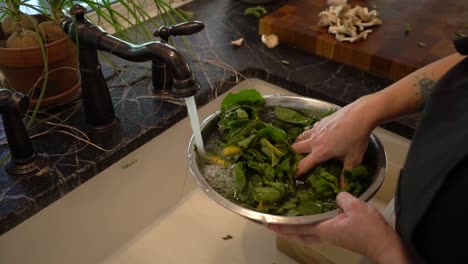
x=146 y=208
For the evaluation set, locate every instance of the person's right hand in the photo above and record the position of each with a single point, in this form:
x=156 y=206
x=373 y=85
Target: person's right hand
x=343 y=135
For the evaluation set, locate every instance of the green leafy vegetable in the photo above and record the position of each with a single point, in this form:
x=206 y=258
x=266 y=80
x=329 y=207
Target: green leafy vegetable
x=255 y=142
x=271 y=132
x=249 y=97
x=246 y=141
x=309 y=207
x=239 y=176
x=266 y=194
x=292 y=116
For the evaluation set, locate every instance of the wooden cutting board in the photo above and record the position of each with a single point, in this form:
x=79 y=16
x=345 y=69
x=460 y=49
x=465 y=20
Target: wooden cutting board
x=388 y=51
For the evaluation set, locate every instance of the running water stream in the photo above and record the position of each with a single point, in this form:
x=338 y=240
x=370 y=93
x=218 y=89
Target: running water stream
x=195 y=123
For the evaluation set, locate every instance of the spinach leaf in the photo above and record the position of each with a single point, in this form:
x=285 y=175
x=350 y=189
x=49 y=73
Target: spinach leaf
x=287 y=206
x=293 y=212
x=264 y=169
x=243 y=132
x=267 y=194
x=324 y=184
x=357 y=173
x=293 y=132
x=233 y=127
x=354 y=188
x=333 y=166
x=256 y=180
x=254 y=155
x=236 y=117
x=277 y=185
x=245 y=97
x=246 y=141
x=291 y=116
x=271 y=151
x=239 y=176
x=309 y=207
x=303 y=195
x=273 y=133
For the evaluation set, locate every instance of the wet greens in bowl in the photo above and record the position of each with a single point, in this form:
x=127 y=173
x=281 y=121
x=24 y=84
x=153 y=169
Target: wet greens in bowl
x=248 y=160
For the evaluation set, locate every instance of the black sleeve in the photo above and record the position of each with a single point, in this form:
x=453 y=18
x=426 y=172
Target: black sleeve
x=462 y=45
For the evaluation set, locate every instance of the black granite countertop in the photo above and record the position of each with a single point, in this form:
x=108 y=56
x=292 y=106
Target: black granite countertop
x=217 y=64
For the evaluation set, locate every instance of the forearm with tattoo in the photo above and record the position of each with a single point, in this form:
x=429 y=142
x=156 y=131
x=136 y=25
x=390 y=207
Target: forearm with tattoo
x=425 y=85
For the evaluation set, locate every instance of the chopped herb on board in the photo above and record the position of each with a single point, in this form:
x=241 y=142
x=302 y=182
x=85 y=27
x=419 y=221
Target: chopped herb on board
x=407 y=28
x=257 y=11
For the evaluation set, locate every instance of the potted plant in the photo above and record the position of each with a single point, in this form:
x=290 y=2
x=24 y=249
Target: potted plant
x=36 y=57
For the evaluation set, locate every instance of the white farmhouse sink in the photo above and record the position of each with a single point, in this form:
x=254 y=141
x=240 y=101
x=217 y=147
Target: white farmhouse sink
x=146 y=208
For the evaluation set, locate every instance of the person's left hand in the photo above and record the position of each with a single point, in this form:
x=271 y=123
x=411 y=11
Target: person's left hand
x=359 y=228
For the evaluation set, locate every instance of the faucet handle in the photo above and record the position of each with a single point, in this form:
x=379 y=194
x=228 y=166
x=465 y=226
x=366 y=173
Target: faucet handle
x=185 y=28
x=13 y=102
x=79 y=12
x=24 y=160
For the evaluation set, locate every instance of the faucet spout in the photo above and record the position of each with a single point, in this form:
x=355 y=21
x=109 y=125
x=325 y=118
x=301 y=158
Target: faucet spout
x=185 y=84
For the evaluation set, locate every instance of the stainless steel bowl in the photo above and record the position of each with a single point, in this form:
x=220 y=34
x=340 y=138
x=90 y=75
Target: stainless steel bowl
x=375 y=157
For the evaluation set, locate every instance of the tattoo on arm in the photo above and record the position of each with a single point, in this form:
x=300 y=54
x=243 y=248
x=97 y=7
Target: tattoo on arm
x=426 y=86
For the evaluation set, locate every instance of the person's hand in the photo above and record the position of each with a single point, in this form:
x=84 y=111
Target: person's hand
x=343 y=135
x=359 y=228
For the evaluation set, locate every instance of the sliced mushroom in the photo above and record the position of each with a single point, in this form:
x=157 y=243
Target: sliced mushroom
x=345 y=28
x=348 y=24
x=373 y=22
x=364 y=14
x=362 y=35
x=326 y=18
x=339 y=11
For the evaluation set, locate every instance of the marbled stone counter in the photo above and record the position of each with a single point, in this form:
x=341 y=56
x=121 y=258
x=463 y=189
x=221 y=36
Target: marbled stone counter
x=143 y=115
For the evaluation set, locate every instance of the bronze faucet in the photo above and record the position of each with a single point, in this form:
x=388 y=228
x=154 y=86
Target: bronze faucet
x=24 y=160
x=97 y=102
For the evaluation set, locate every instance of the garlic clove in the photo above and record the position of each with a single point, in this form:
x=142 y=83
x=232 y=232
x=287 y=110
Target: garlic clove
x=270 y=41
x=237 y=42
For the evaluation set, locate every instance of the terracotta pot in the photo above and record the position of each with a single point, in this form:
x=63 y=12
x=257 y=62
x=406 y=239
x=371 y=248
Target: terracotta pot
x=22 y=68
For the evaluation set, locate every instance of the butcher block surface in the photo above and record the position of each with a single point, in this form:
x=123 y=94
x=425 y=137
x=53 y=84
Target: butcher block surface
x=388 y=51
